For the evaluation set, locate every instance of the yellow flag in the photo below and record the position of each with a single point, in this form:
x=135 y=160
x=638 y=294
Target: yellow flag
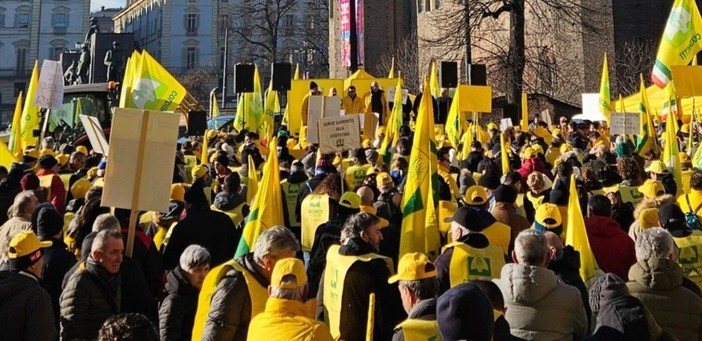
x=671 y=150
x=434 y=81
x=267 y=208
x=6 y=157
x=647 y=134
x=154 y=88
x=680 y=41
x=468 y=137
x=272 y=107
x=30 y=112
x=15 y=133
x=203 y=154
x=576 y=235
x=393 y=126
x=252 y=110
x=133 y=64
x=454 y=126
x=605 y=101
x=252 y=186
x=214 y=105
x=504 y=158
x=296 y=76
x=419 y=232
x=391 y=74
x=525 y=113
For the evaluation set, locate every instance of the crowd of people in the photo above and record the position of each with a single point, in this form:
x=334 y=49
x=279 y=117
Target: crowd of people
x=334 y=270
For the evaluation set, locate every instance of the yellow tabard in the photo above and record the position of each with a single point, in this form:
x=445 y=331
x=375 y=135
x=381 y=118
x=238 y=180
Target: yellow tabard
x=315 y=212
x=468 y=263
x=290 y=192
x=686 y=175
x=446 y=211
x=235 y=214
x=535 y=201
x=631 y=194
x=66 y=179
x=190 y=163
x=334 y=276
x=420 y=330
x=355 y=175
x=45 y=181
x=520 y=204
x=689 y=256
x=258 y=294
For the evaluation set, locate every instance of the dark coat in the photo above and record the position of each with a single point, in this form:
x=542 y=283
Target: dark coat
x=443 y=262
x=424 y=310
x=472 y=160
x=566 y=265
x=151 y=261
x=90 y=297
x=621 y=318
x=57 y=262
x=362 y=279
x=230 y=308
x=177 y=312
x=25 y=309
x=202 y=226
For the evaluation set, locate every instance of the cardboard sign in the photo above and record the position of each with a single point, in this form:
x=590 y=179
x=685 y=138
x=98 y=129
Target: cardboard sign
x=50 y=87
x=391 y=95
x=624 y=123
x=95 y=134
x=319 y=107
x=337 y=134
x=546 y=117
x=505 y=123
x=141 y=149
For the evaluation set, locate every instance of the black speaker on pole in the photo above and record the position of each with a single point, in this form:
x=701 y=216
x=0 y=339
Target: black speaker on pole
x=478 y=74
x=281 y=75
x=243 y=78
x=197 y=123
x=511 y=111
x=449 y=74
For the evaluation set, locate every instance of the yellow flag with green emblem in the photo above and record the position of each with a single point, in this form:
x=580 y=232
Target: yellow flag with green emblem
x=647 y=134
x=272 y=107
x=251 y=116
x=267 y=208
x=30 y=112
x=671 y=150
x=393 y=126
x=454 y=126
x=154 y=88
x=419 y=232
x=605 y=102
x=681 y=40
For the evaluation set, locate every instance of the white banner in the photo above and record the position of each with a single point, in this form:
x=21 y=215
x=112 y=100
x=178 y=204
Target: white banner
x=338 y=134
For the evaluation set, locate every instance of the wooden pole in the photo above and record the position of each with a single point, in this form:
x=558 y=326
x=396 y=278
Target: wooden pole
x=137 y=184
x=371 y=317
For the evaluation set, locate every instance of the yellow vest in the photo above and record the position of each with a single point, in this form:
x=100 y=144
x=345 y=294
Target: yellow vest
x=631 y=194
x=290 y=192
x=45 y=181
x=446 y=211
x=420 y=330
x=535 y=201
x=520 y=205
x=499 y=235
x=235 y=214
x=468 y=263
x=689 y=257
x=66 y=179
x=258 y=294
x=190 y=163
x=355 y=175
x=315 y=211
x=334 y=276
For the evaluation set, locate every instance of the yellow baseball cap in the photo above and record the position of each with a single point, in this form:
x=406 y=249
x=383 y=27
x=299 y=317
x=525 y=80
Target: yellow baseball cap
x=648 y=218
x=26 y=243
x=412 y=267
x=383 y=178
x=475 y=195
x=492 y=125
x=46 y=151
x=62 y=159
x=80 y=187
x=537 y=149
x=178 y=192
x=83 y=150
x=198 y=171
x=371 y=210
x=652 y=188
x=529 y=152
x=350 y=200
x=656 y=166
x=548 y=215
x=285 y=267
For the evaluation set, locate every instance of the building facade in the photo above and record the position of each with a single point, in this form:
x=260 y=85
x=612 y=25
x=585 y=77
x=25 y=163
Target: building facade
x=35 y=30
x=104 y=18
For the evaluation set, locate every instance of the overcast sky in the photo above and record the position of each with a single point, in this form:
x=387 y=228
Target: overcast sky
x=96 y=4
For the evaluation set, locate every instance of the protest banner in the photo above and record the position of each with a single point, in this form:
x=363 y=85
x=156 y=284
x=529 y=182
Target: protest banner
x=95 y=134
x=141 y=148
x=337 y=134
x=50 y=91
x=625 y=123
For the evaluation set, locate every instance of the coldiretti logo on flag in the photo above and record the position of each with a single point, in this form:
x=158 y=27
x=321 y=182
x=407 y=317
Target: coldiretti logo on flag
x=153 y=87
x=681 y=40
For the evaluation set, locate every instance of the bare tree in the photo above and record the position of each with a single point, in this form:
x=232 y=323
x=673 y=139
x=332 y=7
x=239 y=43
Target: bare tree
x=406 y=61
x=633 y=58
x=199 y=81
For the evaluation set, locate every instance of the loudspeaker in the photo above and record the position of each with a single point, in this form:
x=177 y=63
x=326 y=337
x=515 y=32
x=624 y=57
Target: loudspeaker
x=478 y=74
x=281 y=74
x=511 y=111
x=449 y=74
x=243 y=78
x=197 y=123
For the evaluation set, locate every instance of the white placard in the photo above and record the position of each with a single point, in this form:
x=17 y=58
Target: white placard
x=546 y=117
x=317 y=108
x=624 y=123
x=50 y=87
x=590 y=108
x=505 y=123
x=332 y=106
x=391 y=95
x=338 y=134
x=95 y=134
x=141 y=147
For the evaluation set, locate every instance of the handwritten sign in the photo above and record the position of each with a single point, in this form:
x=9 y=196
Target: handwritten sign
x=391 y=95
x=319 y=107
x=624 y=123
x=50 y=87
x=338 y=134
x=95 y=134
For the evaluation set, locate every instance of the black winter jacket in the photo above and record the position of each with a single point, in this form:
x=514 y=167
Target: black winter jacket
x=177 y=312
x=424 y=310
x=566 y=266
x=25 y=308
x=57 y=262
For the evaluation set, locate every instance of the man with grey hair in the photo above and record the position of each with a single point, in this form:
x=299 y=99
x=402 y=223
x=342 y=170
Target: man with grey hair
x=106 y=221
x=285 y=315
x=20 y=214
x=92 y=293
x=236 y=291
x=656 y=279
x=358 y=270
x=539 y=307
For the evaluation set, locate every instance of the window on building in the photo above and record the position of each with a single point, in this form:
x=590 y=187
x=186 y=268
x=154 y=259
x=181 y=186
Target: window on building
x=21 y=62
x=59 y=20
x=2 y=17
x=55 y=52
x=190 y=57
x=22 y=20
x=191 y=23
x=192 y=1
x=289 y=24
x=420 y=6
x=310 y=24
